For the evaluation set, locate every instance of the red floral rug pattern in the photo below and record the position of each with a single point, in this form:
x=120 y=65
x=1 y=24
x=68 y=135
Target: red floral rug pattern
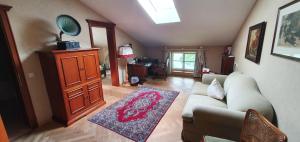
x=132 y=110
x=136 y=116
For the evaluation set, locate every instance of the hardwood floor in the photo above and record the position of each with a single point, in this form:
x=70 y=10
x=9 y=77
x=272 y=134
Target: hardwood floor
x=168 y=129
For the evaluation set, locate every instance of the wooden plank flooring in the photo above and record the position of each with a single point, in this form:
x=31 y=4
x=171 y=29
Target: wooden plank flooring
x=168 y=129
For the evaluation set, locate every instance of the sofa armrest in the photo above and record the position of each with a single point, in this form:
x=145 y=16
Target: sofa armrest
x=218 y=122
x=208 y=78
x=219 y=115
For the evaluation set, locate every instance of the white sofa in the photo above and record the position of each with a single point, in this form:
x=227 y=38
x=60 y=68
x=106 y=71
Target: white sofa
x=203 y=115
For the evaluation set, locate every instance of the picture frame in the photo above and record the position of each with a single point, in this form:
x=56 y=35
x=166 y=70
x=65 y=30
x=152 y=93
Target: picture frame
x=255 y=42
x=286 y=40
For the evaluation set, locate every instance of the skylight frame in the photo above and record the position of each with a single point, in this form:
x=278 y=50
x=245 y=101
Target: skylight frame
x=161 y=11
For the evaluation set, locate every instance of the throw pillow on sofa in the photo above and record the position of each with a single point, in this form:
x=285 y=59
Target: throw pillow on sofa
x=215 y=90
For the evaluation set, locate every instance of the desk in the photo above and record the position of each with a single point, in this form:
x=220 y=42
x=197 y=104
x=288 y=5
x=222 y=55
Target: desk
x=139 y=70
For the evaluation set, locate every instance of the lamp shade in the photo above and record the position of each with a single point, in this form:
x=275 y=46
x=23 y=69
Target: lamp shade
x=125 y=51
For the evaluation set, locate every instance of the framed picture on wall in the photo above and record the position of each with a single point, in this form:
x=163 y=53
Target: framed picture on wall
x=255 y=42
x=286 y=42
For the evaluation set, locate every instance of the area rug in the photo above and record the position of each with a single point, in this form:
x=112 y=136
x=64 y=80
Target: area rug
x=136 y=116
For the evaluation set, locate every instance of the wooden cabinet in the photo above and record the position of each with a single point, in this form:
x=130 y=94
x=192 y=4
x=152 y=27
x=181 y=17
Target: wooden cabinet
x=227 y=65
x=73 y=82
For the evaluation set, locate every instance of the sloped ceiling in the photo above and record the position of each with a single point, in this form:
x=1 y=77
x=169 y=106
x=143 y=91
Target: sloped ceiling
x=203 y=22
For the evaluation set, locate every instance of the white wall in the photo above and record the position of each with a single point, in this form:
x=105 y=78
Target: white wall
x=34 y=28
x=278 y=78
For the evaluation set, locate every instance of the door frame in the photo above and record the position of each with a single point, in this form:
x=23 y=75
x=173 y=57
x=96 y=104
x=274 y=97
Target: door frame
x=17 y=67
x=112 y=50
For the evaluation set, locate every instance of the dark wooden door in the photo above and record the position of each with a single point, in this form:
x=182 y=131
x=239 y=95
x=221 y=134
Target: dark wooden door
x=15 y=109
x=9 y=42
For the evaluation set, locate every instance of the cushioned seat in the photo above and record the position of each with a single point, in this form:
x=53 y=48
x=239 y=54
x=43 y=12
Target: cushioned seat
x=199 y=100
x=200 y=89
x=214 y=139
x=203 y=115
x=244 y=94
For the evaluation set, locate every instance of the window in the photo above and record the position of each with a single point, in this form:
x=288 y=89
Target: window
x=183 y=61
x=160 y=11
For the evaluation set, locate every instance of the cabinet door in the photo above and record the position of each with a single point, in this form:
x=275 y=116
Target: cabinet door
x=94 y=91
x=91 y=65
x=75 y=100
x=70 y=68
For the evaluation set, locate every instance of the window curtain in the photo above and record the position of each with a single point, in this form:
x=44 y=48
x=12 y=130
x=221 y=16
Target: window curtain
x=200 y=62
x=167 y=59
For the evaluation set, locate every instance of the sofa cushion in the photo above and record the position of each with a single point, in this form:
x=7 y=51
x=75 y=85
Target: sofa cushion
x=215 y=139
x=244 y=94
x=199 y=100
x=199 y=88
x=230 y=79
x=215 y=90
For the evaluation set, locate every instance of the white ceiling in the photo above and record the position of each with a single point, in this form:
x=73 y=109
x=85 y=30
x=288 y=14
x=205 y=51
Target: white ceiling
x=203 y=22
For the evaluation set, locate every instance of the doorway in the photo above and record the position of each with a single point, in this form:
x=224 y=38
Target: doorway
x=15 y=103
x=100 y=41
x=11 y=107
x=102 y=36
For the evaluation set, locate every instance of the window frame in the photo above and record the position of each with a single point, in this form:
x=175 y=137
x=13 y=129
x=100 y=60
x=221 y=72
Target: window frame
x=183 y=61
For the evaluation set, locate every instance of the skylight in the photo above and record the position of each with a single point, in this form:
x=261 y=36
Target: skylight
x=160 y=11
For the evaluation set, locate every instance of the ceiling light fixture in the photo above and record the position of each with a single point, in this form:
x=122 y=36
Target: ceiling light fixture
x=160 y=11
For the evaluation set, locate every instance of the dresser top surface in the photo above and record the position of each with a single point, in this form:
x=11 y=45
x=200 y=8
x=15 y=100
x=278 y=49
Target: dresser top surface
x=64 y=51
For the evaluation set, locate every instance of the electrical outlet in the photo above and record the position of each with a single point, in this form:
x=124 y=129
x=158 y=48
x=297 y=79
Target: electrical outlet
x=235 y=66
x=31 y=75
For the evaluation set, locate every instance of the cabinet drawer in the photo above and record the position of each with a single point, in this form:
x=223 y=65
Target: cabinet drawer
x=75 y=92
x=94 y=91
x=75 y=100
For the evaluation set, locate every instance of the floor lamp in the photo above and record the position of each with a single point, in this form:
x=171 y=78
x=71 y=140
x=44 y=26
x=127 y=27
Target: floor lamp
x=126 y=52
